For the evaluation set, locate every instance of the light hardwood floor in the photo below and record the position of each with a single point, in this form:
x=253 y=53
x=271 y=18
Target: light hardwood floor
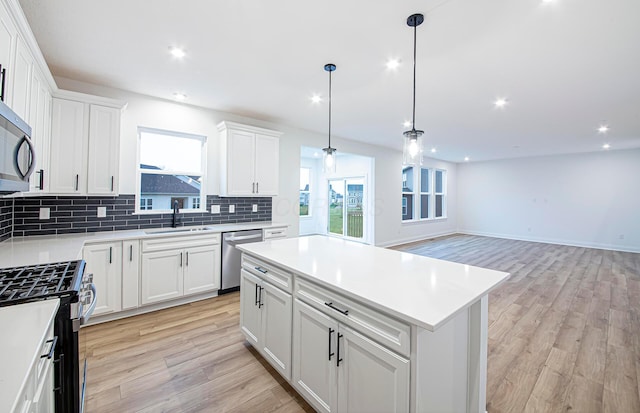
x=564 y=335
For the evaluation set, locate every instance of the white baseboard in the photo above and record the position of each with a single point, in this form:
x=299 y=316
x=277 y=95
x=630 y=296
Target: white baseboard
x=573 y=243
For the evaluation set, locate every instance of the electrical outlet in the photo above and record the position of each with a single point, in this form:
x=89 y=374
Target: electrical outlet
x=102 y=212
x=255 y=208
x=45 y=213
x=232 y=209
x=215 y=209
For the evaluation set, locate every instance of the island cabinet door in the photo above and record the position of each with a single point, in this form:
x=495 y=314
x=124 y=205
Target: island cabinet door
x=370 y=377
x=250 y=314
x=315 y=357
x=276 y=328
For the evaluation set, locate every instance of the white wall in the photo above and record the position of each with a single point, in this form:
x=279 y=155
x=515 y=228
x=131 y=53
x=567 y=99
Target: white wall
x=584 y=199
x=164 y=114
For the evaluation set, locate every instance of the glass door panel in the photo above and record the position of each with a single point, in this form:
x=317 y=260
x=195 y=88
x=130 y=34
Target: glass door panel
x=336 y=206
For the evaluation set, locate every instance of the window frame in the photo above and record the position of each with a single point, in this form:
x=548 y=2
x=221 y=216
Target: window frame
x=418 y=193
x=412 y=194
x=203 y=173
x=309 y=206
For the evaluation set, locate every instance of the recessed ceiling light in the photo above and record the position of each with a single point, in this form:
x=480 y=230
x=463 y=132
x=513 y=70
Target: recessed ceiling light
x=179 y=96
x=433 y=150
x=177 y=52
x=501 y=102
x=392 y=64
x=606 y=146
x=603 y=128
x=316 y=99
x=466 y=159
x=406 y=123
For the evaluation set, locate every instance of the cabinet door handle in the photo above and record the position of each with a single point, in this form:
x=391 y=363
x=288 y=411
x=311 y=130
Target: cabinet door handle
x=330 y=305
x=53 y=342
x=253 y=187
x=260 y=303
x=181 y=259
x=131 y=252
x=112 y=183
x=110 y=255
x=257 y=187
x=331 y=331
x=77 y=179
x=262 y=270
x=41 y=183
x=256 y=303
x=339 y=359
x=187 y=253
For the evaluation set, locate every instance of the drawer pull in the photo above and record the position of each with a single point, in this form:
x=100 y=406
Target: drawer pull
x=330 y=305
x=262 y=270
x=53 y=342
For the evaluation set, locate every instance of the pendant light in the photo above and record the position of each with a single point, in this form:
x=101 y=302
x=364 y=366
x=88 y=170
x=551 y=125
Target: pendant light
x=412 y=150
x=329 y=156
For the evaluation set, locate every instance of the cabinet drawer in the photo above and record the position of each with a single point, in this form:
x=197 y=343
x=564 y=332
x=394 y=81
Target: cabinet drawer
x=179 y=241
x=273 y=233
x=385 y=330
x=276 y=276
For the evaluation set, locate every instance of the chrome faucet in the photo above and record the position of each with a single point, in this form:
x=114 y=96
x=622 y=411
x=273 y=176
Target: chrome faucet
x=174 y=218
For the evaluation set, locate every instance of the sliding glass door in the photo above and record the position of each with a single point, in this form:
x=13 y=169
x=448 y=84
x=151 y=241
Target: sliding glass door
x=346 y=207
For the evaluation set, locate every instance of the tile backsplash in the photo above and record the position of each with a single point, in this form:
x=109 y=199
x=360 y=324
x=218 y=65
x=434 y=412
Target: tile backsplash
x=6 y=218
x=78 y=214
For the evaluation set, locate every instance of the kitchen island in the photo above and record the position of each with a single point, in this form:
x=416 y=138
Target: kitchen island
x=354 y=327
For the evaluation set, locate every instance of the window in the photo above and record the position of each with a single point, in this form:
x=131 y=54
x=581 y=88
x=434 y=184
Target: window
x=407 y=193
x=146 y=204
x=430 y=202
x=305 y=199
x=171 y=168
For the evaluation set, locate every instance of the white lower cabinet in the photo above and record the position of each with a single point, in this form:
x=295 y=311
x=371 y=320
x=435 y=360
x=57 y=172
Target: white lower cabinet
x=104 y=261
x=180 y=266
x=130 y=274
x=339 y=370
x=265 y=316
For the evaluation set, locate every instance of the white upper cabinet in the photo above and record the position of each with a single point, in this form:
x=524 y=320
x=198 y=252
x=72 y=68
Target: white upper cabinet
x=8 y=35
x=104 y=143
x=20 y=80
x=40 y=121
x=68 y=147
x=249 y=160
x=85 y=141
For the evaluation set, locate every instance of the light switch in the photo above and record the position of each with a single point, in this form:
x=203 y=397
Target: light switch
x=255 y=208
x=45 y=213
x=102 y=212
x=215 y=209
x=232 y=209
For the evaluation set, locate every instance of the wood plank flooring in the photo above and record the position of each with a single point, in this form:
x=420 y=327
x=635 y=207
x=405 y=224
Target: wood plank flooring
x=564 y=330
x=564 y=335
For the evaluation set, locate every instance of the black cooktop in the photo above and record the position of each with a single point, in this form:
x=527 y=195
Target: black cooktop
x=37 y=282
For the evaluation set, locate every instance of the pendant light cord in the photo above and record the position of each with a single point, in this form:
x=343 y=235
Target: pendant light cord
x=330 y=108
x=413 y=126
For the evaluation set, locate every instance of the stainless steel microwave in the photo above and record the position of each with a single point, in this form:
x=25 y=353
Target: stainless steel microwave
x=17 y=153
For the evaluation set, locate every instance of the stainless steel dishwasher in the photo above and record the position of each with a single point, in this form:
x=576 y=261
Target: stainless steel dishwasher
x=231 y=257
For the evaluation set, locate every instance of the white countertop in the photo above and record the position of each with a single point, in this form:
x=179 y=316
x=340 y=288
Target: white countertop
x=53 y=248
x=24 y=329
x=423 y=291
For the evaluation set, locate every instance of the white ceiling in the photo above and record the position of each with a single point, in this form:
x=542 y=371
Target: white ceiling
x=565 y=66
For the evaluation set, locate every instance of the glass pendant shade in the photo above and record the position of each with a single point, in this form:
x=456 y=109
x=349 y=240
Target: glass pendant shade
x=412 y=152
x=329 y=160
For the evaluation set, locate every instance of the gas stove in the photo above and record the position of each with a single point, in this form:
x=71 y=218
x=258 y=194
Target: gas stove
x=37 y=282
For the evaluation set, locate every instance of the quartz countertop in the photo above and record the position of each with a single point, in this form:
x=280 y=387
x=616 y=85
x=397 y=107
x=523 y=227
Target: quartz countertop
x=67 y=247
x=25 y=328
x=422 y=291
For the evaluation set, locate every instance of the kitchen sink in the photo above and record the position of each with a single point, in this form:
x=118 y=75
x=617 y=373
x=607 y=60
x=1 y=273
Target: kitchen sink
x=177 y=230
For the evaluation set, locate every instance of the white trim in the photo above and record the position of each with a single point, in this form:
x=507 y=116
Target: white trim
x=247 y=128
x=422 y=237
x=90 y=99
